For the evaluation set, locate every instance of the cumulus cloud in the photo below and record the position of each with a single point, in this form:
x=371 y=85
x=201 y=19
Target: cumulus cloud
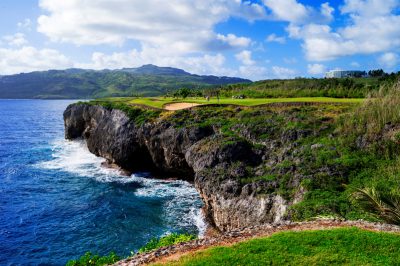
x=288 y=10
x=200 y=64
x=25 y=24
x=253 y=72
x=245 y=58
x=373 y=28
x=234 y=41
x=295 y=12
x=17 y=39
x=183 y=26
x=27 y=59
x=274 y=38
x=389 y=60
x=283 y=72
x=316 y=69
x=327 y=11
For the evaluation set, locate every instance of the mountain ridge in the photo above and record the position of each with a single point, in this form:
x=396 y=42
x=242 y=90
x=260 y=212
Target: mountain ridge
x=147 y=80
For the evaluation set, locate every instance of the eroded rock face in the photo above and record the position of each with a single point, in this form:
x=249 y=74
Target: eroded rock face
x=191 y=153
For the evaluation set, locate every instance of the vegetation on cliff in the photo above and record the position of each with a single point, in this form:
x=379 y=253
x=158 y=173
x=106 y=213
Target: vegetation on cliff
x=316 y=156
x=167 y=240
x=313 y=155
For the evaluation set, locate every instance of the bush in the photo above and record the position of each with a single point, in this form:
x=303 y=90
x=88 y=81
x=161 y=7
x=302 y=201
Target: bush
x=165 y=241
x=95 y=260
x=383 y=203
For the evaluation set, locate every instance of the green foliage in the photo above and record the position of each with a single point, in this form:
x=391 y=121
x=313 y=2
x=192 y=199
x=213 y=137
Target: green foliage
x=302 y=87
x=380 y=202
x=94 y=260
x=165 y=241
x=185 y=92
x=368 y=122
x=348 y=246
x=138 y=114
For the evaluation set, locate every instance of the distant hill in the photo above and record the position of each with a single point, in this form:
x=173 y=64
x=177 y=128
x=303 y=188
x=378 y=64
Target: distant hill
x=147 y=80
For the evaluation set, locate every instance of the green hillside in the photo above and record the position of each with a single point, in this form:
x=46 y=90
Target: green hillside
x=147 y=80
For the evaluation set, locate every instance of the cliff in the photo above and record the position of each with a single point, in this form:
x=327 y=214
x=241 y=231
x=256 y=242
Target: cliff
x=248 y=164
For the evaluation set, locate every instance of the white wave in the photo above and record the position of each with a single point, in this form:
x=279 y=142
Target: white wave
x=177 y=193
x=75 y=158
x=181 y=198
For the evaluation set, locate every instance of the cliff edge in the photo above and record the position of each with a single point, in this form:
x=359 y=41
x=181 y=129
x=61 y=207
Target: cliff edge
x=248 y=164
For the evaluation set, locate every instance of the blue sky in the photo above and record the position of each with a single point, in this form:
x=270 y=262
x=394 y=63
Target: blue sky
x=253 y=39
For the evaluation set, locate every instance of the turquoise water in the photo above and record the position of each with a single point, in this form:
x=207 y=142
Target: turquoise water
x=57 y=202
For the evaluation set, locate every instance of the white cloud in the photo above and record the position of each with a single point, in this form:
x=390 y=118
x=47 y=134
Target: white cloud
x=316 y=69
x=355 y=64
x=234 y=41
x=389 y=60
x=283 y=73
x=25 y=24
x=295 y=12
x=200 y=64
x=245 y=58
x=327 y=11
x=274 y=38
x=27 y=59
x=181 y=26
x=17 y=39
x=373 y=28
x=369 y=8
x=288 y=10
x=253 y=72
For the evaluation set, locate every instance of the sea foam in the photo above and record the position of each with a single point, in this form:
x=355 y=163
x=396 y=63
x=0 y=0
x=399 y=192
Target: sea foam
x=75 y=158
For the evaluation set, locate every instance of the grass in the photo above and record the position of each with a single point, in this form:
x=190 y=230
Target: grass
x=159 y=102
x=345 y=246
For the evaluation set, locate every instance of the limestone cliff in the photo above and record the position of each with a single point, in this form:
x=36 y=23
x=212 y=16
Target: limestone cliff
x=229 y=175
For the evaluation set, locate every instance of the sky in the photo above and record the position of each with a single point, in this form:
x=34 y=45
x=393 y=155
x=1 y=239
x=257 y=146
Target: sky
x=258 y=39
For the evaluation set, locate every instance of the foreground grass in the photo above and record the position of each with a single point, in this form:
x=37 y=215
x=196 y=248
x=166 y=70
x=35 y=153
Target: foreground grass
x=159 y=102
x=349 y=246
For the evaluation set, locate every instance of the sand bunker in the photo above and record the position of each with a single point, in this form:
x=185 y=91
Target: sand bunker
x=179 y=106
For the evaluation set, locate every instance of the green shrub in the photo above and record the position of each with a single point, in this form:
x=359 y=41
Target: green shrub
x=94 y=260
x=383 y=203
x=165 y=241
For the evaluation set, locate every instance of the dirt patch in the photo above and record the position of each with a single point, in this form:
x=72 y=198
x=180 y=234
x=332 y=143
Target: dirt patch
x=174 y=252
x=179 y=106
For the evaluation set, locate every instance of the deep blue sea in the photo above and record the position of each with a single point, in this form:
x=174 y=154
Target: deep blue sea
x=57 y=202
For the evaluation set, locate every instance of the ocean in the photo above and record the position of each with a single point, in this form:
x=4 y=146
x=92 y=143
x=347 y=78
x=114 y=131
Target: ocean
x=57 y=202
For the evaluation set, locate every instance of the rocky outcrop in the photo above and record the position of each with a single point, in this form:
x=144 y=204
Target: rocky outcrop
x=196 y=153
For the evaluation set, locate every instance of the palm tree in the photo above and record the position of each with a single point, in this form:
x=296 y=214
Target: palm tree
x=384 y=204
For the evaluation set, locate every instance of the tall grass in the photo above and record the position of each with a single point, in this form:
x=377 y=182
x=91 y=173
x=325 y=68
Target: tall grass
x=380 y=109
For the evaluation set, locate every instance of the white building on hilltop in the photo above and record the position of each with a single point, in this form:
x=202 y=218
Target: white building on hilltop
x=345 y=74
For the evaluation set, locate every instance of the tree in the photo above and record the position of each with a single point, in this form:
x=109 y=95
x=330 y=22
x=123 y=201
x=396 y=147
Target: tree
x=183 y=92
x=376 y=73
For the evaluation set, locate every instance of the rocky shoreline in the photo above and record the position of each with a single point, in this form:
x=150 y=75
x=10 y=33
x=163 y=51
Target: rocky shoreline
x=195 y=153
x=235 y=236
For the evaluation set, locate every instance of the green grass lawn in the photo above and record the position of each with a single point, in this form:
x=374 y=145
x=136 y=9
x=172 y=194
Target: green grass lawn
x=348 y=246
x=159 y=102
